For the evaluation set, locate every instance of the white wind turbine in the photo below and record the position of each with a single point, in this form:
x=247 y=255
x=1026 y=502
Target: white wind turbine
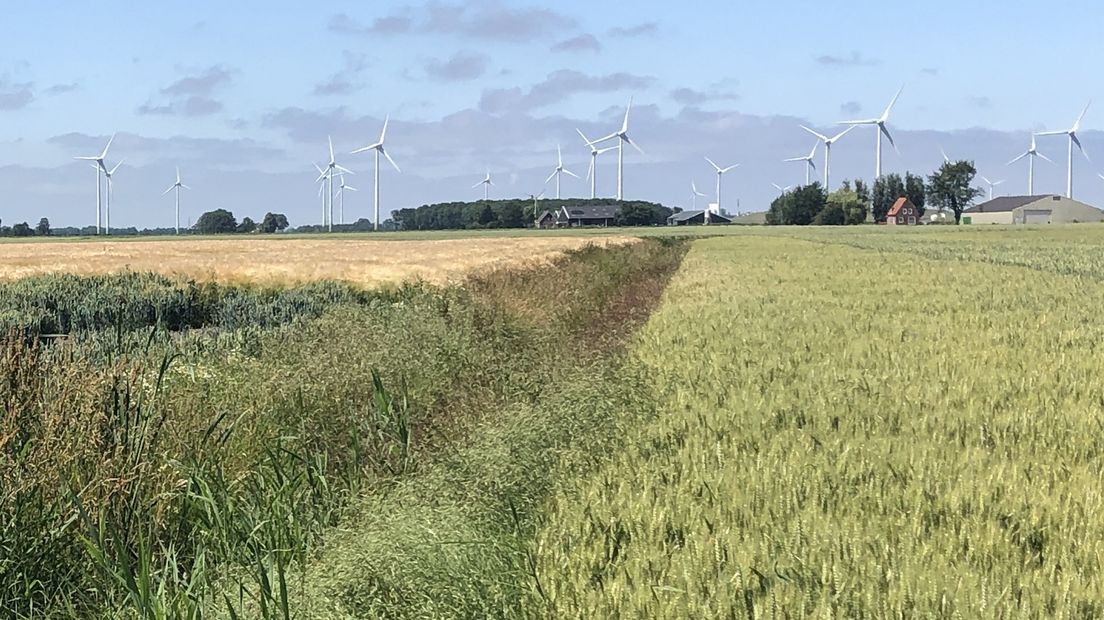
x=101 y=167
x=828 y=142
x=486 y=183
x=332 y=168
x=341 y=199
x=991 y=184
x=177 y=186
x=694 y=194
x=808 y=159
x=592 y=174
x=1072 y=133
x=780 y=188
x=380 y=150
x=880 y=123
x=107 y=203
x=622 y=136
x=559 y=172
x=321 y=180
x=1031 y=154
x=720 y=173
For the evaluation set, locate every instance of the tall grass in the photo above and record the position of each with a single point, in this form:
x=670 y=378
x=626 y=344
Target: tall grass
x=151 y=469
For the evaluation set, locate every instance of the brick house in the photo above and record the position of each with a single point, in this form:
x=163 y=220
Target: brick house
x=903 y=212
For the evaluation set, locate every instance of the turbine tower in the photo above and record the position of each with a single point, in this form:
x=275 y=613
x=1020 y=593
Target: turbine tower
x=100 y=169
x=592 y=174
x=178 y=186
x=694 y=193
x=622 y=137
x=486 y=183
x=341 y=200
x=332 y=168
x=991 y=185
x=380 y=150
x=1031 y=154
x=559 y=172
x=720 y=172
x=321 y=180
x=808 y=159
x=828 y=142
x=880 y=123
x=1072 y=133
x=107 y=203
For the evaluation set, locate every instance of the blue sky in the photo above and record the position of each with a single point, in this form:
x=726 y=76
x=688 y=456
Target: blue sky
x=242 y=96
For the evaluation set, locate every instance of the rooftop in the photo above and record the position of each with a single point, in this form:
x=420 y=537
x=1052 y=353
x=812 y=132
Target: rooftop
x=1003 y=204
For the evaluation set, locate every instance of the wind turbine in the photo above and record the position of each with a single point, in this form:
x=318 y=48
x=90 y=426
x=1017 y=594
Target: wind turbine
x=1031 y=154
x=100 y=168
x=536 y=204
x=178 y=186
x=107 y=203
x=486 y=183
x=622 y=137
x=592 y=174
x=321 y=190
x=880 y=122
x=1072 y=133
x=378 y=148
x=991 y=185
x=694 y=193
x=559 y=172
x=780 y=188
x=332 y=168
x=720 y=173
x=341 y=200
x=946 y=159
x=828 y=142
x=808 y=159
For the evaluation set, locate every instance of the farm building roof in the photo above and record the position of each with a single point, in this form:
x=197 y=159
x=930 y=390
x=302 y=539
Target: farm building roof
x=897 y=206
x=600 y=212
x=685 y=216
x=1003 y=204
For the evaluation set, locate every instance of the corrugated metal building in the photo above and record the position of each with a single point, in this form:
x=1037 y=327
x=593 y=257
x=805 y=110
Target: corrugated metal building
x=1048 y=209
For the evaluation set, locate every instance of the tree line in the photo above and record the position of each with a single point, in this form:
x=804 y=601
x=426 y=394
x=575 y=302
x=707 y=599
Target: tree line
x=950 y=189
x=518 y=213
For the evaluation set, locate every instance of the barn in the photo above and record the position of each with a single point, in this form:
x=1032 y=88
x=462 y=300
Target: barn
x=692 y=218
x=903 y=213
x=1047 y=209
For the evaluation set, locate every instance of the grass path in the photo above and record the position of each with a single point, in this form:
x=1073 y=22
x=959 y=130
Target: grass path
x=846 y=433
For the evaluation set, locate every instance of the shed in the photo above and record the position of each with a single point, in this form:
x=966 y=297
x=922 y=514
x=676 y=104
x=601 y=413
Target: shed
x=601 y=215
x=692 y=218
x=903 y=213
x=1045 y=209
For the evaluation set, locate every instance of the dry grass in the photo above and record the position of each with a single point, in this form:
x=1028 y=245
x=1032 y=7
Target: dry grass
x=291 y=260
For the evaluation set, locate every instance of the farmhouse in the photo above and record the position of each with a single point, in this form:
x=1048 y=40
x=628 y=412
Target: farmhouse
x=1048 y=209
x=903 y=212
x=571 y=216
x=546 y=219
x=691 y=218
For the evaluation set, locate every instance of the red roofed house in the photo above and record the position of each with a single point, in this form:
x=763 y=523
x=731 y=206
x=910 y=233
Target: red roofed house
x=903 y=212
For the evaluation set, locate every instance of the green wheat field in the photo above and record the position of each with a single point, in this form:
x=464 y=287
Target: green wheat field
x=734 y=423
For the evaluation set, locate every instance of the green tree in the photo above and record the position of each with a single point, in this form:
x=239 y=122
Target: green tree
x=853 y=207
x=798 y=207
x=43 y=228
x=247 y=226
x=831 y=215
x=862 y=190
x=510 y=215
x=216 y=222
x=274 y=222
x=635 y=214
x=951 y=187
x=22 y=230
x=486 y=215
x=916 y=191
x=886 y=192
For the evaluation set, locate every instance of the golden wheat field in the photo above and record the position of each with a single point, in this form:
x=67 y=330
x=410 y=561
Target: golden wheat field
x=360 y=261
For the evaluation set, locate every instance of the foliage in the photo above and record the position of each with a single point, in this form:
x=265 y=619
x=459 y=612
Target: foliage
x=216 y=222
x=916 y=191
x=642 y=214
x=848 y=202
x=246 y=226
x=951 y=187
x=831 y=215
x=22 y=230
x=274 y=222
x=43 y=228
x=891 y=187
x=502 y=213
x=797 y=207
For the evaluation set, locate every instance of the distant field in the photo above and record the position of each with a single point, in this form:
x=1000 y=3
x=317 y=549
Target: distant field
x=359 y=259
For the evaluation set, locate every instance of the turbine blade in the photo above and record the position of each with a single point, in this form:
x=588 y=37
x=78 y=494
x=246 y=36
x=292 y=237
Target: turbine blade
x=383 y=134
x=344 y=169
x=1044 y=157
x=865 y=121
x=570 y=173
x=732 y=167
x=185 y=186
x=559 y=156
x=889 y=136
x=168 y=190
x=590 y=169
x=581 y=135
x=1077 y=125
x=1025 y=154
x=795 y=159
x=332 y=160
x=819 y=136
x=889 y=108
x=392 y=161
x=629 y=140
x=625 y=125
x=711 y=163
x=550 y=176
x=842 y=133
x=108 y=147
x=1080 y=146
x=1052 y=133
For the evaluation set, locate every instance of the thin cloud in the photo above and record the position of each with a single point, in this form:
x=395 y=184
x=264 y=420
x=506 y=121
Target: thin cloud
x=61 y=89
x=342 y=82
x=581 y=43
x=690 y=96
x=646 y=29
x=490 y=20
x=15 y=95
x=981 y=102
x=851 y=107
x=558 y=86
x=191 y=95
x=461 y=66
x=854 y=59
